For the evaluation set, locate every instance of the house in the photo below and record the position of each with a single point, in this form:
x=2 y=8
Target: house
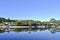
x=9 y=23
x=53 y=25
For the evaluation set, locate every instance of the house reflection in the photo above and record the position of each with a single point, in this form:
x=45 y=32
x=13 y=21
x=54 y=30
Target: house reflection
x=53 y=30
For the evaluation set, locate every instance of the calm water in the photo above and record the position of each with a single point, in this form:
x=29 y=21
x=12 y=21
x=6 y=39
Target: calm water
x=32 y=34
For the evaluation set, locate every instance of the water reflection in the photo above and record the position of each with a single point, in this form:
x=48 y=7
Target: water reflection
x=29 y=30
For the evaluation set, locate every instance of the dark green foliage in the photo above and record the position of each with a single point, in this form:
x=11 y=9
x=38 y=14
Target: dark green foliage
x=29 y=22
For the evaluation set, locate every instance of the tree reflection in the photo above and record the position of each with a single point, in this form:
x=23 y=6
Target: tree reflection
x=52 y=30
x=29 y=30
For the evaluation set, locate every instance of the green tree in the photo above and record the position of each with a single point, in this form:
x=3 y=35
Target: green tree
x=52 y=20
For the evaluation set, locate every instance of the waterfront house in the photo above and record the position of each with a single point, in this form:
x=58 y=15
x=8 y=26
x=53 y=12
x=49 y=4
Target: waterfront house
x=53 y=25
x=9 y=23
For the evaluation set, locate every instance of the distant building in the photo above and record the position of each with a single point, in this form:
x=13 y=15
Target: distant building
x=9 y=23
x=53 y=25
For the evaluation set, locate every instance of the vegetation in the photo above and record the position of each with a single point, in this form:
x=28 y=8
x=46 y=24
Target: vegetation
x=28 y=22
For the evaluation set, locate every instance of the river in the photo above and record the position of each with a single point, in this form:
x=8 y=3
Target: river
x=31 y=34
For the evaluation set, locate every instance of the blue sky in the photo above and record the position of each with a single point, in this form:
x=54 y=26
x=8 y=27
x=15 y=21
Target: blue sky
x=30 y=9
